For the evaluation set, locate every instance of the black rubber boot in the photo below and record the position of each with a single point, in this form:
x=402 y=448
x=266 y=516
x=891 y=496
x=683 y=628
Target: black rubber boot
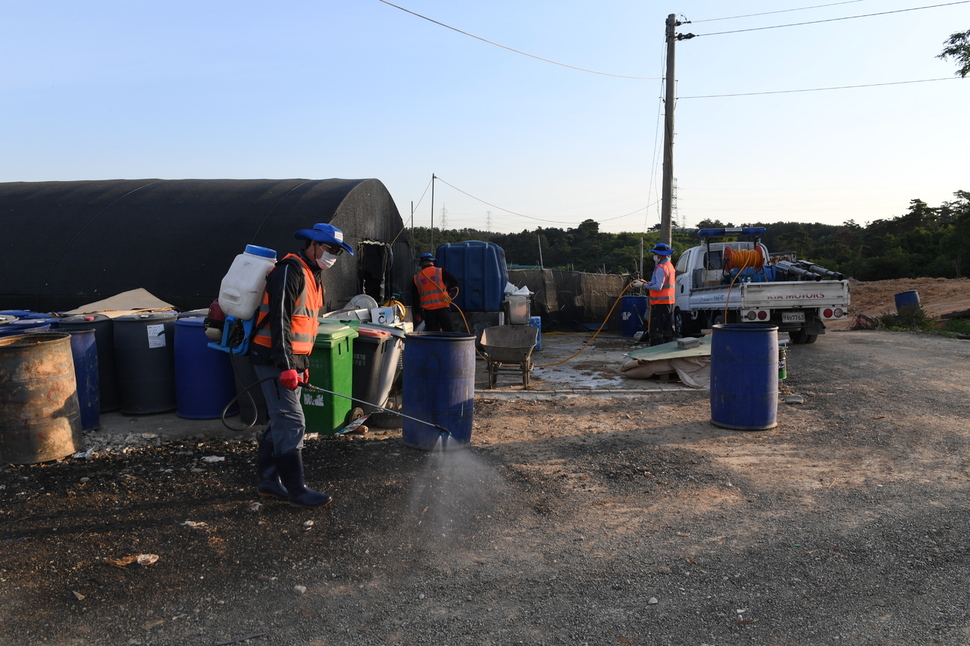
x=290 y=468
x=269 y=478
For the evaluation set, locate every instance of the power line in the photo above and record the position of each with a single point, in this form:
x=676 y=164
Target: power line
x=769 y=13
x=818 y=89
x=521 y=215
x=438 y=177
x=546 y=60
x=816 y=22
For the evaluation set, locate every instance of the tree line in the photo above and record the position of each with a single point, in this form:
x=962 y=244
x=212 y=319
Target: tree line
x=924 y=242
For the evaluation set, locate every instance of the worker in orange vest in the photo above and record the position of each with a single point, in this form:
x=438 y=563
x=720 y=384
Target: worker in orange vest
x=432 y=292
x=285 y=330
x=661 y=290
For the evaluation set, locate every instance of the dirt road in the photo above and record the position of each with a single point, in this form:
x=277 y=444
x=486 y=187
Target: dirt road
x=575 y=520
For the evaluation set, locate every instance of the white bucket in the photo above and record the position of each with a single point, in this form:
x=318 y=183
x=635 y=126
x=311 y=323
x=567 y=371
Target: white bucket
x=520 y=310
x=242 y=288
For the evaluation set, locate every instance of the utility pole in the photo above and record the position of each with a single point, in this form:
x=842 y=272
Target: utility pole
x=666 y=208
x=432 y=214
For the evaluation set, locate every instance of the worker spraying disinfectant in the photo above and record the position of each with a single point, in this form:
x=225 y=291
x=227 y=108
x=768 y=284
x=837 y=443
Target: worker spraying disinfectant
x=272 y=314
x=279 y=328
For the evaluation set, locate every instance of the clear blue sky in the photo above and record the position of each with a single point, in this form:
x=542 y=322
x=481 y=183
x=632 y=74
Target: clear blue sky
x=359 y=88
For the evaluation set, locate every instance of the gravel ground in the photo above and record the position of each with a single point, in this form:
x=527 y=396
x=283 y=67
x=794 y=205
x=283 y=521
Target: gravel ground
x=570 y=520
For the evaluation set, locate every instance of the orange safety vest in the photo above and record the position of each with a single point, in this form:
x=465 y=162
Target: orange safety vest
x=665 y=295
x=303 y=318
x=432 y=294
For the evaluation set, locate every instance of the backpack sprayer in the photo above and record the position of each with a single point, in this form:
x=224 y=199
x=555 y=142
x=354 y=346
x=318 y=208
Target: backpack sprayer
x=240 y=294
x=231 y=322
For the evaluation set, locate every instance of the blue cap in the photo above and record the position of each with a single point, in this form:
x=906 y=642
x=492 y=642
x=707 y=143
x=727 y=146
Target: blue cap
x=427 y=256
x=324 y=233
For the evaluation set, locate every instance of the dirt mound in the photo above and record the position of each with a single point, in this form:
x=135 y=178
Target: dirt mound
x=937 y=296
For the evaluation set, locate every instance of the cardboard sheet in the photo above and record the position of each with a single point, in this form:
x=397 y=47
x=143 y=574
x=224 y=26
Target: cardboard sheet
x=135 y=300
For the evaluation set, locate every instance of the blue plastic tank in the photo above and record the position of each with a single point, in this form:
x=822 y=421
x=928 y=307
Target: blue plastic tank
x=481 y=272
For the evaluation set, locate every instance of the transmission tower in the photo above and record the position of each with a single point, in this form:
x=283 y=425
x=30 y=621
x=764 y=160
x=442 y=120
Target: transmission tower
x=673 y=206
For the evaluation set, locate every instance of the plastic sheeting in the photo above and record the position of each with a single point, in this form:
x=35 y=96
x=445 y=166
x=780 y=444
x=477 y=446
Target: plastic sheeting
x=568 y=298
x=69 y=243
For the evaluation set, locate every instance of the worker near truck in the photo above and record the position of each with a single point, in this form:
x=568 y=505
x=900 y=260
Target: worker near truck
x=433 y=293
x=661 y=290
x=285 y=331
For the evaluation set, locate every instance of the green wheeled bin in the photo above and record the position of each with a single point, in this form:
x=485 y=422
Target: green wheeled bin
x=332 y=369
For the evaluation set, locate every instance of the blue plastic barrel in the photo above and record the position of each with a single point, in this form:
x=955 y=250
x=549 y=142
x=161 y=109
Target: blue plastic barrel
x=84 y=349
x=103 y=328
x=22 y=326
x=907 y=299
x=744 y=376
x=536 y=322
x=633 y=313
x=438 y=388
x=204 y=380
x=52 y=322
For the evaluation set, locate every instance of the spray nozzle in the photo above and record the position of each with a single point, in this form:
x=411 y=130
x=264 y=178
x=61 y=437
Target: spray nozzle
x=442 y=430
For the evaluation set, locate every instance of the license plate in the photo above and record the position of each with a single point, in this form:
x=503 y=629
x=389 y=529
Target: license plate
x=793 y=317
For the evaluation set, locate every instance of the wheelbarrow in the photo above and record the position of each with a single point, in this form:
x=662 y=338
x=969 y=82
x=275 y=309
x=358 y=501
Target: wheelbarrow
x=503 y=345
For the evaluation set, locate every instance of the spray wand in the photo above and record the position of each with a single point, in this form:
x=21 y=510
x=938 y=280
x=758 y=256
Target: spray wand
x=441 y=429
x=312 y=388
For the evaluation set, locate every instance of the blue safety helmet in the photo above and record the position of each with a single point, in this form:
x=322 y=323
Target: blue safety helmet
x=327 y=233
x=662 y=249
x=428 y=257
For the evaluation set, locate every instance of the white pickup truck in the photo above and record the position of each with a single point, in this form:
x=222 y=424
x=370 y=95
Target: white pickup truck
x=738 y=281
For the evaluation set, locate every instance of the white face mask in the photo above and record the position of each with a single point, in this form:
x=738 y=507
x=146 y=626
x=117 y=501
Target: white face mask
x=327 y=260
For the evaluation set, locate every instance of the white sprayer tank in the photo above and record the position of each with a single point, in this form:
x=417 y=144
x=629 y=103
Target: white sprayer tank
x=242 y=288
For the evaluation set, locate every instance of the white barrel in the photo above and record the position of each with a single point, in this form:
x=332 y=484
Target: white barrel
x=242 y=288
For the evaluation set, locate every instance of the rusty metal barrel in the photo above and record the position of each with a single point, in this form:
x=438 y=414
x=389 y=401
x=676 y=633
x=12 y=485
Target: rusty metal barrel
x=40 y=419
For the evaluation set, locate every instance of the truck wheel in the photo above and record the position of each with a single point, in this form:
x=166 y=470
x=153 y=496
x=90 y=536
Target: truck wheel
x=801 y=336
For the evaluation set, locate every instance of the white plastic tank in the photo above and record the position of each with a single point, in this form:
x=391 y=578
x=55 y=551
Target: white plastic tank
x=242 y=287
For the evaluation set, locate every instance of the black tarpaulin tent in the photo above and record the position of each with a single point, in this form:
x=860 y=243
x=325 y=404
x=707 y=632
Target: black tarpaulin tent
x=64 y=244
